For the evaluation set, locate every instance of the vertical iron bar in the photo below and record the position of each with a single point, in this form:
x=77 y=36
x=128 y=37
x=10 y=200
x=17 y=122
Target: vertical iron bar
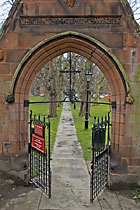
x=44 y=128
x=30 y=155
x=108 y=154
x=87 y=114
x=108 y=127
x=92 y=165
x=105 y=125
x=49 y=168
x=33 y=156
x=39 y=169
x=70 y=79
x=45 y=165
x=98 y=120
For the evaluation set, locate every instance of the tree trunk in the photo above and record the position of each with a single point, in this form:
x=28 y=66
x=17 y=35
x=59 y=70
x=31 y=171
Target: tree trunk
x=53 y=107
x=96 y=98
x=82 y=109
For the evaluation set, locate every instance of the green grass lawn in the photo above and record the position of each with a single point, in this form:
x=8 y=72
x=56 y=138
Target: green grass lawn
x=85 y=136
x=37 y=109
x=43 y=109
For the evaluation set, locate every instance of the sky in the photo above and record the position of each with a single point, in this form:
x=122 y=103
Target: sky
x=4 y=11
x=136 y=11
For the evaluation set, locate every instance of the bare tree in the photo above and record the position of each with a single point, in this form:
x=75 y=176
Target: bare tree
x=56 y=83
x=135 y=5
x=99 y=83
x=5 y=7
x=50 y=79
x=81 y=85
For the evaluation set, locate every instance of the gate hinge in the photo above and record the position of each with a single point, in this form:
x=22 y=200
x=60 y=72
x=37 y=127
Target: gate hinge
x=29 y=148
x=109 y=149
x=113 y=104
x=26 y=103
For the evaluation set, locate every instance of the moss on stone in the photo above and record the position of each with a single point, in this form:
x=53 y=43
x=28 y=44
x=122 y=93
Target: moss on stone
x=136 y=111
x=137 y=76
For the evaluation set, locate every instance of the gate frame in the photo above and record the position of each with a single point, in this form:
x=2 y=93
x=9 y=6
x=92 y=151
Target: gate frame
x=98 y=154
x=46 y=156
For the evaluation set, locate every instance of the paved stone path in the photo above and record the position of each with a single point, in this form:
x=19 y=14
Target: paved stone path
x=70 y=179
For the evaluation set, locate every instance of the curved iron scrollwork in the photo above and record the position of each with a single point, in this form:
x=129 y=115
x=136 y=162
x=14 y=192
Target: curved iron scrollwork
x=10 y=99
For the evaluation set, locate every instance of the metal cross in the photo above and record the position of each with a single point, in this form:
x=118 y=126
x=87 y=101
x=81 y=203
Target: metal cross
x=70 y=72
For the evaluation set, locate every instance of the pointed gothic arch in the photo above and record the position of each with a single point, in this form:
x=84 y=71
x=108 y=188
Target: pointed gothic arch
x=86 y=46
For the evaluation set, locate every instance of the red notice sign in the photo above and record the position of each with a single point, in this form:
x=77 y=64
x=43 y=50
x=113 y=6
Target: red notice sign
x=38 y=129
x=38 y=143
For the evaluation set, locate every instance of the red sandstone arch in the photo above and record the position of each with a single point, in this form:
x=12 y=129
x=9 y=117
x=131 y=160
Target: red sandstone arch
x=57 y=45
x=74 y=43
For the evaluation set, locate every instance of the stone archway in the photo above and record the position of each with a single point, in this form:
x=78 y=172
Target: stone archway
x=38 y=31
x=85 y=46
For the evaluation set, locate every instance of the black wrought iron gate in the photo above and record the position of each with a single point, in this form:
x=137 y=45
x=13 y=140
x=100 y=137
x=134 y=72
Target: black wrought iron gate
x=100 y=156
x=39 y=150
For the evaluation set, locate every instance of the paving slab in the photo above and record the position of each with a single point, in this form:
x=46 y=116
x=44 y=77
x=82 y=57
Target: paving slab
x=28 y=201
x=128 y=204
